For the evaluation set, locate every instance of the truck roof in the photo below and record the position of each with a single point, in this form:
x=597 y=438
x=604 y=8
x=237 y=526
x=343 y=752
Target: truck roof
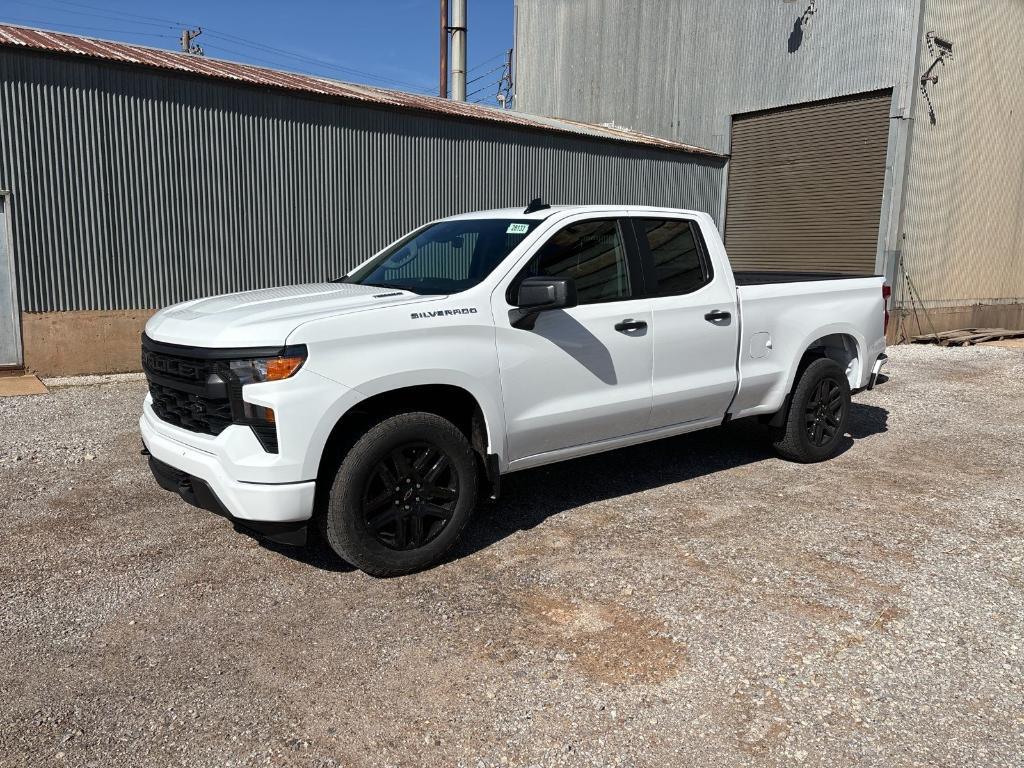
x=518 y=213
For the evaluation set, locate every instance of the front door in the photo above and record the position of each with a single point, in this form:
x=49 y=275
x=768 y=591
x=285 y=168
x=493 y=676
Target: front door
x=10 y=341
x=582 y=374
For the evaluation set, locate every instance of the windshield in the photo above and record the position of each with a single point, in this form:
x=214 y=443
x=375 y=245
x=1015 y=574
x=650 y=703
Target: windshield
x=446 y=257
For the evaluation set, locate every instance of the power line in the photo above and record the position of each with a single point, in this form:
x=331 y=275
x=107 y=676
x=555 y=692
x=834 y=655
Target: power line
x=486 y=61
x=482 y=89
x=243 y=54
x=36 y=5
x=173 y=23
x=308 y=59
x=134 y=18
x=485 y=74
x=217 y=46
x=73 y=28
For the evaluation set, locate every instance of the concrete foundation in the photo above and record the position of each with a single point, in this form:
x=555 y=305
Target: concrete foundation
x=77 y=343
x=73 y=343
x=906 y=324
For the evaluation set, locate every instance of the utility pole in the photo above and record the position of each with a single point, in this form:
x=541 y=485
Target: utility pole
x=505 y=85
x=443 y=88
x=187 y=38
x=458 y=30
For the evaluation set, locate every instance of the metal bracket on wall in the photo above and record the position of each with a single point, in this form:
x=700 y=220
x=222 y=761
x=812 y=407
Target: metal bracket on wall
x=796 y=36
x=812 y=8
x=941 y=51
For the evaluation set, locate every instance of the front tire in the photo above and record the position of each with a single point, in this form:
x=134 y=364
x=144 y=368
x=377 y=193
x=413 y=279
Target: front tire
x=818 y=413
x=402 y=495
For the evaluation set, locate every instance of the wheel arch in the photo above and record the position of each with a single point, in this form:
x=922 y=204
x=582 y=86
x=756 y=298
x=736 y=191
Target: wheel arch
x=455 y=403
x=841 y=343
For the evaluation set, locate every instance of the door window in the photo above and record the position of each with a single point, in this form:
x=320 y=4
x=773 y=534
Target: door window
x=592 y=253
x=676 y=258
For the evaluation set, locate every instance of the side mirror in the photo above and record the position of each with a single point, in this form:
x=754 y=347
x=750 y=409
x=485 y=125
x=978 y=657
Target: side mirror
x=541 y=294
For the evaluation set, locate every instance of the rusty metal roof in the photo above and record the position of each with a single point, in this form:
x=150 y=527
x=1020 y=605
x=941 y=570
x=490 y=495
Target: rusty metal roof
x=202 y=66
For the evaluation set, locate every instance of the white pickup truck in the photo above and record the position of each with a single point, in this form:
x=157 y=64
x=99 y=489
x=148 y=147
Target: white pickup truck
x=381 y=405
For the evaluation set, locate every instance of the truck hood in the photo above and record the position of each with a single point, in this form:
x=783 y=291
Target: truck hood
x=266 y=317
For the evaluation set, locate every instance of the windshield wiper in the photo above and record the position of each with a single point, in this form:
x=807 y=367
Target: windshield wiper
x=388 y=286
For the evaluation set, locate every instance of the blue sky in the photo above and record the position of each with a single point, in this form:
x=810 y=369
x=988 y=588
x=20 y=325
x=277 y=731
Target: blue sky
x=390 y=43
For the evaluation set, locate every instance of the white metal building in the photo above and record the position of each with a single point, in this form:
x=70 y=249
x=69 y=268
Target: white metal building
x=883 y=136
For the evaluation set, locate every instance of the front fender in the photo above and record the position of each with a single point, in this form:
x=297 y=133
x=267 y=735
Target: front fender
x=482 y=392
x=390 y=348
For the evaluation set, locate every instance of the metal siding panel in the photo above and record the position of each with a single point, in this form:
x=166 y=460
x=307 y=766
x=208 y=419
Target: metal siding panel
x=10 y=327
x=691 y=65
x=805 y=187
x=28 y=39
x=964 y=218
x=137 y=188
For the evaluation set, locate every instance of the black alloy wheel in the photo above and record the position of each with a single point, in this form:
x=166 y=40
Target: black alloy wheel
x=814 y=426
x=402 y=494
x=410 y=496
x=824 y=412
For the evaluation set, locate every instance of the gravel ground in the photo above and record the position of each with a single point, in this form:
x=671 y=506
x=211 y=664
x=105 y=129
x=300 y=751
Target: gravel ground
x=689 y=602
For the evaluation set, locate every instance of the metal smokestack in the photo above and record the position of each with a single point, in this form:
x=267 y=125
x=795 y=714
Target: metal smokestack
x=459 y=50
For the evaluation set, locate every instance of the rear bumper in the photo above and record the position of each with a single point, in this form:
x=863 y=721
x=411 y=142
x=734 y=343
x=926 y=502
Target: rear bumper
x=201 y=479
x=876 y=370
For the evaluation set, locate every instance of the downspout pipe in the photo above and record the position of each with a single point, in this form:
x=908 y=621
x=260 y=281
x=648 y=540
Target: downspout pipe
x=443 y=51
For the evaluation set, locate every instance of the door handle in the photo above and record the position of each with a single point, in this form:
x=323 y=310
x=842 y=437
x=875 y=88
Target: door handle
x=630 y=324
x=717 y=315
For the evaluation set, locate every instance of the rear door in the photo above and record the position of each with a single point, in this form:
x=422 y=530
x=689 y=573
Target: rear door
x=695 y=323
x=582 y=374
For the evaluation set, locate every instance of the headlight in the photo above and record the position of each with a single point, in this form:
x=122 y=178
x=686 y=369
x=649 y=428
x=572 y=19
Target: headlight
x=260 y=419
x=261 y=369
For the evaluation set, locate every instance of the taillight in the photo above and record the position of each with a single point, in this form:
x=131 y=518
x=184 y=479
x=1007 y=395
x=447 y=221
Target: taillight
x=886 y=293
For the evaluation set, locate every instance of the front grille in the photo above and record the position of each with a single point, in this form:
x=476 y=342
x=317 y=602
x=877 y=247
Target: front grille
x=191 y=372
x=196 y=389
x=190 y=411
x=188 y=392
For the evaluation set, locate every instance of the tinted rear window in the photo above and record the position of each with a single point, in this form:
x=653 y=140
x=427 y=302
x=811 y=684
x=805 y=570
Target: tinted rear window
x=679 y=265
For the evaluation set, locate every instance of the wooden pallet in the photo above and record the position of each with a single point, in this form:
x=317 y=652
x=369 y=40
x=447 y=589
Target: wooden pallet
x=965 y=337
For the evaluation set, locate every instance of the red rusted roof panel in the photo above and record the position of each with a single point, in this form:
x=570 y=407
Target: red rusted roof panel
x=60 y=42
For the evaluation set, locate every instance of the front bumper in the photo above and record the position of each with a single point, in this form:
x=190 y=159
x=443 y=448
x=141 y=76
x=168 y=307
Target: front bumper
x=198 y=493
x=200 y=478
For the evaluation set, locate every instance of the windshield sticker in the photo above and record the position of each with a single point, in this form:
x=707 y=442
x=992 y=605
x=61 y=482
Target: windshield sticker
x=516 y=228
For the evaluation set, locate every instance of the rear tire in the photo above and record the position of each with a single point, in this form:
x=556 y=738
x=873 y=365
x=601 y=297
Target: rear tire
x=402 y=495
x=818 y=412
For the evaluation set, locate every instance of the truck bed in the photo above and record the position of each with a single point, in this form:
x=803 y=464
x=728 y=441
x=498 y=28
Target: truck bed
x=775 y=276
x=782 y=313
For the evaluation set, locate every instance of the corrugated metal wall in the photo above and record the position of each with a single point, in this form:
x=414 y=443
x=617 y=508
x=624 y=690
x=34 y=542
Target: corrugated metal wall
x=132 y=188
x=681 y=68
x=964 y=218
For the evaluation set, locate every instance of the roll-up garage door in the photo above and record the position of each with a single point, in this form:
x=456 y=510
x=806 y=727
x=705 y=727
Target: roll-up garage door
x=805 y=186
